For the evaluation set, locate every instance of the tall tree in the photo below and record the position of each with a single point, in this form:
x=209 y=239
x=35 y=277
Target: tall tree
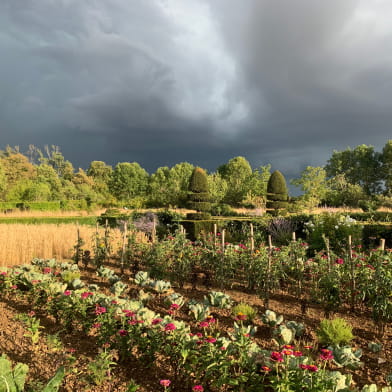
x=237 y=173
x=16 y=168
x=55 y=158
x=360 y=166
x=386 y=159
x=313 y=183
x=129 y=180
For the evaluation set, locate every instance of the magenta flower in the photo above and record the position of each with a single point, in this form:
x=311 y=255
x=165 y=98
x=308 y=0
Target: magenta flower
x=165 y=383
x=174 y=307
x=210 y=339
x=123 y=332
x=326 y=355
x=276 y=356
x=3 y=273
x=86 y=294
x=170 y=327
x=204 y=324
x=198 y=388
x=47 y=270
x=99 y=310
x=156 y=321
x=312 y=368
x=67 y=292
x=297 y=353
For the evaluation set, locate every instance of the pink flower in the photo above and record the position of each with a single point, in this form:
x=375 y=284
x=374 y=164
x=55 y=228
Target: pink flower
x=123 y=332
x=3 y=273
x=14 y=286
x=302 y=366
x=276 y=356
x=67 y=292
x=210 y=339
x=156 y=321
x=31 y=313
x=47 y=270
x=170 y=327
x=204 y=324
x=174 y=306
x=165 y=383
x=97 y=325
x=99 y=310
x=86 y=294
x=198 y=388
x=326 y=354
x=312 y=368
x=339 y=261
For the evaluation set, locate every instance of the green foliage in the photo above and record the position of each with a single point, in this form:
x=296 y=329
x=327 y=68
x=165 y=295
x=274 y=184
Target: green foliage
x=237 y=174
x=246 y=310
x=360 y=166
x=334 y=332
x=347 y=357
x=99 y=369
x=336 y=228
x=128 y=181
x=277 y=194
x=12 y=379
x=271 y=318
x=199 y=198
x=55 y=382
x=218 y=299
x=314 y=185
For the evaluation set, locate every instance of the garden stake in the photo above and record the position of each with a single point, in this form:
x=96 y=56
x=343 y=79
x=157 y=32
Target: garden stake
x=123 y=247
x=266 y=299
x=352 y=265
x=252 y=239
x=382 y=244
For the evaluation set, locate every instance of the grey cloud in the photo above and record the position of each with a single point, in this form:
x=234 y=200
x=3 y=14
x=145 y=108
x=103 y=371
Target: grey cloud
x=163 y=81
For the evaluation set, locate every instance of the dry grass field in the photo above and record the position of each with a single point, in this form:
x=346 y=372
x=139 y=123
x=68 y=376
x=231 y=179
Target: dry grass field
x=20 y=243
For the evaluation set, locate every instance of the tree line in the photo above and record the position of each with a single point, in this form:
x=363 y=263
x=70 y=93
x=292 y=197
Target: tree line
x=351 y=177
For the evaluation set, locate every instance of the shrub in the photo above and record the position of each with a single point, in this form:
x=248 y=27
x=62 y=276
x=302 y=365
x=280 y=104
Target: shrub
x=336 y=227
x=334 y=332
x=246 y=310
x=277 y=195
x=199 y=197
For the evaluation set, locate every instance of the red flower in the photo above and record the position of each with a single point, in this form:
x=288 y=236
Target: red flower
x=312 y=368
x=123 y=332
x=277 y=356
x=156 y=321
x=170 y=327
x=198 y=388
x=67 y=292
x=326 y=354
x=265 y=368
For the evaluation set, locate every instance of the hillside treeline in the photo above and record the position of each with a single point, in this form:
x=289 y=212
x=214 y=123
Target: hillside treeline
x=353 y=177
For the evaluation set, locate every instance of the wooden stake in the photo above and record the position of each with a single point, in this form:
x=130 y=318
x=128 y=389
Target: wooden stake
x=123 y=247
x=252 y=239
x=294 y=237
x=382 y=244
x=223 y=240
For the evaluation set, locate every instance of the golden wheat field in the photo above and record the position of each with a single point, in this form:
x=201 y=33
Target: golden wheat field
x=20 y=243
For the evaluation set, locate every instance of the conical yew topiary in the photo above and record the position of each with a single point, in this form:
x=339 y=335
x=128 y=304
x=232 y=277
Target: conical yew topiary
x=198 y=193
x=277 y=194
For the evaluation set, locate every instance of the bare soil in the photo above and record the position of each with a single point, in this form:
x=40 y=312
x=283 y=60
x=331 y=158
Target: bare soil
x=44 y=360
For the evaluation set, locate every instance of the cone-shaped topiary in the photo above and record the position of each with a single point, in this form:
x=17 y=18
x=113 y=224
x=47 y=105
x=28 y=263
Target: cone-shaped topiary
x=277 y=195
x=198 y=194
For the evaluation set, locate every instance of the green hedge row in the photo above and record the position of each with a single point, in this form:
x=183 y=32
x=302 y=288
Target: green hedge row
x=82 y=220
x=64 y=205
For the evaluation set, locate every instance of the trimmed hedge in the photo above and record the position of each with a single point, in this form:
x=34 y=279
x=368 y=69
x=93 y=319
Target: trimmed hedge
x=82 y=220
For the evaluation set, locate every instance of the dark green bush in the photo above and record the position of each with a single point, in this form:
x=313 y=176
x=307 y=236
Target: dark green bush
x=199 y=197
x=277 y=194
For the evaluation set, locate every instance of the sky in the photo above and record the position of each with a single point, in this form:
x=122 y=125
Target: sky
x=159 y=82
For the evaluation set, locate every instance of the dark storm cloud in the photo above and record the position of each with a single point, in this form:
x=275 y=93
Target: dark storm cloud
x=164 y=81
